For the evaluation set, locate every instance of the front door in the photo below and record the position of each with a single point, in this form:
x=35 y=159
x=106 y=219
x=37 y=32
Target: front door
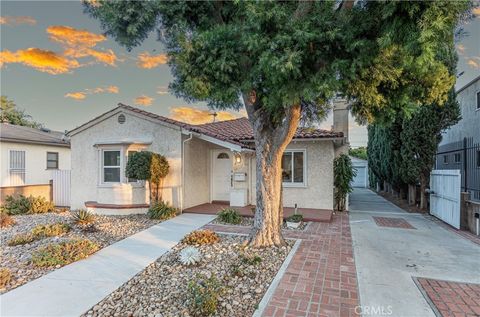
x=221 y=174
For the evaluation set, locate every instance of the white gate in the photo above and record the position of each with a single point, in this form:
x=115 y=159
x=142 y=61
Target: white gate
x=445 y=196
x=61 y=187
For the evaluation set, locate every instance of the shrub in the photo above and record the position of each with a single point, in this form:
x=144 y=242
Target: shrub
x=204 y=294
x=22 y=238
x=83 y=217
x=190 y=256
x=6 y=220
x=343 y=174
x=5 y=277
x=19 y=204
x=200 y=237
x=250 y=259
x=51 y=230
x=295 y=218
x=63 y=253
x=161 y=211
x=230 y=215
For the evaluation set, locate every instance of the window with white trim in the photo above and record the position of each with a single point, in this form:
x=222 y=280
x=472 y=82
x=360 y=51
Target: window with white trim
x=445 y=159
x=111 y=166
x=17 y=167
x=293 y=168
x=52 y=160
x=457 y=158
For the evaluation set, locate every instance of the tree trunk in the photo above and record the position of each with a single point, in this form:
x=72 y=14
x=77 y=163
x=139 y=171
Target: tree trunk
x=412 y=195
x=423 y=195
x=270 y=143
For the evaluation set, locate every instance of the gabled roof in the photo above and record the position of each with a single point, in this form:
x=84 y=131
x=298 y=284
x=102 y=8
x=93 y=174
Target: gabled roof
x=21 y=134
x=236 y=132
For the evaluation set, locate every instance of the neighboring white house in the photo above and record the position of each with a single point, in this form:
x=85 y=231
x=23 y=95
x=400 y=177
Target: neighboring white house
x=208 y=162
x=28 y=157
x=361 y=166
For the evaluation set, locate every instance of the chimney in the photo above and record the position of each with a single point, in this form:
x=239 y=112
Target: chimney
x=340 y=121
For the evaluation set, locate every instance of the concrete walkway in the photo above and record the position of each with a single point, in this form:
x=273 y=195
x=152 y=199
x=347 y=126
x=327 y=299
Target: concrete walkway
x=73 y=289
x=388 y=258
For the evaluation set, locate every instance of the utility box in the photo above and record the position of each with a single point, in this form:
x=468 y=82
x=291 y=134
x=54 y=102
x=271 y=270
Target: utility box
x=238 y=197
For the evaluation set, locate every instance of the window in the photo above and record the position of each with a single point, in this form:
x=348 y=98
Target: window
x=457 y=157
x=445 y=159
x=223 y=155
x=52 y=160
x=111 y=166
x=478 y=100
x=478 y=159
x=17 y=167
x=293 y=168
x=129 y=154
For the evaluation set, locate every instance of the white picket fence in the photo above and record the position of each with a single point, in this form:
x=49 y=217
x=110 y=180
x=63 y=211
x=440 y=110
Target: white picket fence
x=61 y=187
x=445 y=196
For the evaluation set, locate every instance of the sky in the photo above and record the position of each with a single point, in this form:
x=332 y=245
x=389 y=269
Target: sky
x=58 y=67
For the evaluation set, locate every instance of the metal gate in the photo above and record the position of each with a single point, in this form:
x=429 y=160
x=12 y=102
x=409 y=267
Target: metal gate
x=445 y=196
x=61 y=187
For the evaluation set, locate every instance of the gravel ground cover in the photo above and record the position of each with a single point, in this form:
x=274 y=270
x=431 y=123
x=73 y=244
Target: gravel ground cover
x=162 y=288
x=108 y=229
x=248 y=222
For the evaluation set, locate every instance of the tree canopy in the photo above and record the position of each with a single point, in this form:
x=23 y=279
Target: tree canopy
x=9 y=113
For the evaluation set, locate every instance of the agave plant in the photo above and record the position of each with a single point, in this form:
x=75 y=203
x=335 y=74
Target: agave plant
x=190 y=256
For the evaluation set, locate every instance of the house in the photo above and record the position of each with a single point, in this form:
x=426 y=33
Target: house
x=213 y=162
x=28 y=157
x=460 y=145
x=361 y=167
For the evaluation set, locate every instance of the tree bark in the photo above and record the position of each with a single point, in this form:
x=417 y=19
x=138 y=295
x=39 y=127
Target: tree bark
x=423 y=195
x=271 y=139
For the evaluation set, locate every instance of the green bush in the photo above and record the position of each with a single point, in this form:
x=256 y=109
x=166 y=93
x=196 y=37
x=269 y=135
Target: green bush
x=230 y=215
x=83 y=217
x=5 y=277
x=204 y=294
x=161 y=211
x=51 y=230
x=63 y=253
x=19 y=204
x=295 y=218
x=21 y=239
x=343 y=174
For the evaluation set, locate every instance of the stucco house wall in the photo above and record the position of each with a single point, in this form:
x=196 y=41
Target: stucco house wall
x=318 y=190
x=36 y=171
x=197 y=172
x=86 y=161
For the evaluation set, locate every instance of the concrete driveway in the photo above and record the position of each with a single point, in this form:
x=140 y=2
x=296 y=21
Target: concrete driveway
x=388 y=258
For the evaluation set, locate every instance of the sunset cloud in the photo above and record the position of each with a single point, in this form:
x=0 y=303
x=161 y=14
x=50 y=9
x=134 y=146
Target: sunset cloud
x=461 y=49
x=80 y=95
x=474 y=62
x=162 y=90
x=42 y=60
x=476 y=11
x=76 y=95
x=17 y=20
x=143 y=100
x=79 y=43
x=145 y=60
x=198 y=116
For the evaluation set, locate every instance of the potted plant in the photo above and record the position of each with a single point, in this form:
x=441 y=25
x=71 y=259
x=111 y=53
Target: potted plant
x=294 y=221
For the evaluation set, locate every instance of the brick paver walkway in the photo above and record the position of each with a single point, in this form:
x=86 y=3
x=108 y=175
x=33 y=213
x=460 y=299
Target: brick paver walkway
x=393 y=222
x=452 y=298
x=321 y=279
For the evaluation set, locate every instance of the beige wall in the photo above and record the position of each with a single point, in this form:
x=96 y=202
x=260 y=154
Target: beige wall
x=318 y=192
x=197 y=172
x=36 y=171
x=86 y=160
x=28 y=190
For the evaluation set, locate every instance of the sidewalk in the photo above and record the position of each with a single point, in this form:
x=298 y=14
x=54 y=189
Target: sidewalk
x=73 y=289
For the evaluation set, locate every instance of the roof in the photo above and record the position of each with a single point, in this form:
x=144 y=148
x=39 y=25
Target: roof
x=21 y=134
x=237 y=131
x=468 y=84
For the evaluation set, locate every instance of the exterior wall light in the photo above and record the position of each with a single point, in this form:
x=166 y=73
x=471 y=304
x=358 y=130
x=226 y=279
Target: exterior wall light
x=238 y=158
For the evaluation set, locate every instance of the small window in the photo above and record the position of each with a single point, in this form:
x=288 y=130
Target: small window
x=52 y=160
x=111 y=166
x=445 y=159
x=129 y=154
x=121 y=119
x=17 y=168
x=293 y=167
x=478 y=100
x=223 y=155
x=478 y=159
x=457 y=157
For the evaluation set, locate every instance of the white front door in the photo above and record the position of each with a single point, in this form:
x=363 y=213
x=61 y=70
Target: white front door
x=221 y=174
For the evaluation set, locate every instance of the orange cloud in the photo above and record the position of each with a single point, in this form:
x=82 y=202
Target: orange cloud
x=79 y=95
x=76 y=95
x=476 y=11
x=162 y=90
x=198 y=116
x=461 y=49
x=42 y=60
x=17 y=20
x=145 y=60
x=143 y=100
x=79 y=43
x=474 y=62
